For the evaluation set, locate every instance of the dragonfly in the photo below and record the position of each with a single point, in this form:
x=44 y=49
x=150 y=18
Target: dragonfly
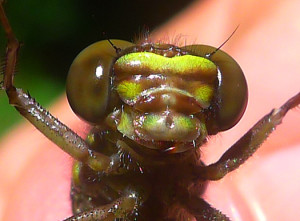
x=152 y=107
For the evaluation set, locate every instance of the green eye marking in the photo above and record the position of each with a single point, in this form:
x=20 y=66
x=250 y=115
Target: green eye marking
x=182 y=65
x=204 y=94
x=129 y=90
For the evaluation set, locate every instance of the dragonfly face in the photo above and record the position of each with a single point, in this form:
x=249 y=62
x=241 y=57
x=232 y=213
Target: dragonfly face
x=160 y=96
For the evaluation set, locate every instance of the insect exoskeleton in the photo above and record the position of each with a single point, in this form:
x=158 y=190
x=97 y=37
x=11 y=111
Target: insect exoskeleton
x=161 y=96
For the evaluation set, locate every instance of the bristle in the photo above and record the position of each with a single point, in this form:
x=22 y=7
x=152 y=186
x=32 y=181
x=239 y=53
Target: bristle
x=179 y=40
x=29 y=94
x=2 y=69
x=142 y=36
x=2 y=65
x=128 y=162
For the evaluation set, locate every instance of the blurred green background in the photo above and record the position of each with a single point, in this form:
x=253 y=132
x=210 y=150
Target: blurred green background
x=53 y=32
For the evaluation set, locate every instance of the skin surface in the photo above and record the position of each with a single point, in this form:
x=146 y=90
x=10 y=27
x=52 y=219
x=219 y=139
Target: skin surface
x=35 y=175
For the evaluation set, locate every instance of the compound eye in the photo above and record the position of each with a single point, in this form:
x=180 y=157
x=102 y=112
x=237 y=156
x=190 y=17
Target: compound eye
x=231 y=95
x=88 y=81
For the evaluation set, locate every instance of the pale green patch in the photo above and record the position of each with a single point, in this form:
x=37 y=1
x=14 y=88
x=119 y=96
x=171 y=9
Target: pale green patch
x=182 y=65
x=129 y=90
x=151 y=121
x=184 y=122
x=204 y=94
x=125 y=126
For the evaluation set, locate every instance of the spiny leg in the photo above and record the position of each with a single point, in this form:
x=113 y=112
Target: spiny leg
x=203 y=211
x=122 y=209
x=190 y=201
x=12 y=50
x=196 y=209
x=91 y=189
x=51 y=127
x=248 y=144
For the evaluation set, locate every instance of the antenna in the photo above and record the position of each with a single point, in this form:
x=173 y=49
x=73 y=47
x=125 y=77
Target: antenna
x=217 y=49
x=118 y=50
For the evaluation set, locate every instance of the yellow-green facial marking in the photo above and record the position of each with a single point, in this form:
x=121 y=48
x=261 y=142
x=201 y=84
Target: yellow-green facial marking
x=204 y=94
x=144 y=77
x=129 y=89
x=168 y=127
x=125 y=125
x=184 y=122
x=178 y=65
